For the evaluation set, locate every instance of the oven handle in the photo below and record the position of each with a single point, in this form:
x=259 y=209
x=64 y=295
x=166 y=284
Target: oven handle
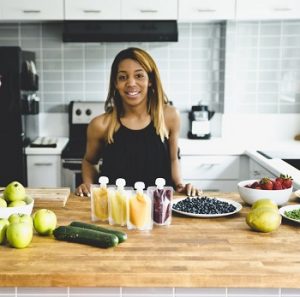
x=72 y=164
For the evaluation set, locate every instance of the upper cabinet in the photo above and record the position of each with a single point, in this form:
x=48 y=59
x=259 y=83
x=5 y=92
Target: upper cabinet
x=92 y=10
x=267 y=9
x=149 y=10
x=202 y=10
x=39 y=10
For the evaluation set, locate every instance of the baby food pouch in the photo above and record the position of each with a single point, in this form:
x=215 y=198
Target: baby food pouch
x=161 y=197
x=139 y=209
x=99 y=200
x=117 y=203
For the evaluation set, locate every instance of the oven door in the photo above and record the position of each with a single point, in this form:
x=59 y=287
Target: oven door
x=71 y=173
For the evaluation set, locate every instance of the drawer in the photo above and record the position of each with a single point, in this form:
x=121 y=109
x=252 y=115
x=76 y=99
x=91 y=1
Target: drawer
x=214 y=185
x=43 y=171
x=210 y=167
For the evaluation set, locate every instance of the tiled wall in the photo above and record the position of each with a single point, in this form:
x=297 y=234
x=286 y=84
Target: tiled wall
x=190 y=68
x=263 y=67
x=147 y=292
x=259 y=60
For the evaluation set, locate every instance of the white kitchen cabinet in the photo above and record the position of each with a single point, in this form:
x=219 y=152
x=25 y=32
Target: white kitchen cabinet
x=211 y=173
x=19 y=10
x=267 y=9
x=92 y=10
x=44 y=170
x=203 y=10
x=149 y=10
x=256 y=171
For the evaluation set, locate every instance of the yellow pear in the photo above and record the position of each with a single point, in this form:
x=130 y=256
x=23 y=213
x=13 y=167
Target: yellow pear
x=263 y=219
x=264 y=203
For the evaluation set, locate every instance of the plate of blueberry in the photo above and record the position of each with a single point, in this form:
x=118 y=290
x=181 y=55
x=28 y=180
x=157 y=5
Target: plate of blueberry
x=206 y=207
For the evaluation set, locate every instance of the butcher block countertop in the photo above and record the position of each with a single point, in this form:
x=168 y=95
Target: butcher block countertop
x=192 y=252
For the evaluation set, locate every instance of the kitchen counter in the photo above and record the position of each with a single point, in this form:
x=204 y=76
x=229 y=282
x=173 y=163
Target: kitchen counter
x=192 y=252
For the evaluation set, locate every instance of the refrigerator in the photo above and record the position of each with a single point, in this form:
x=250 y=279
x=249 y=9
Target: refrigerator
x=18 y=106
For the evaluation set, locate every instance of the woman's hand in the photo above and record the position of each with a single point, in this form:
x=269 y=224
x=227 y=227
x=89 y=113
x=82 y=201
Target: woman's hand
x=188 y=189
x=83 y=190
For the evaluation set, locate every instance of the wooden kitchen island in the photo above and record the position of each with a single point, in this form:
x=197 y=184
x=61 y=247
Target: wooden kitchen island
x=192 y=252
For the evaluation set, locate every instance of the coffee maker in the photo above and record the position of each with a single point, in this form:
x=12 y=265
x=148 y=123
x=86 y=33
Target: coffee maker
x=200 y=118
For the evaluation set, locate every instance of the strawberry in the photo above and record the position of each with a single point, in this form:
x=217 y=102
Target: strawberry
x=266 y=184
x=287 y=182
x=254 y=185
x=277 y=185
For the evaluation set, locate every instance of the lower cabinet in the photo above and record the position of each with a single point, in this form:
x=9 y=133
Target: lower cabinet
x=44 y=171
x=257 y=171
x=212 y=172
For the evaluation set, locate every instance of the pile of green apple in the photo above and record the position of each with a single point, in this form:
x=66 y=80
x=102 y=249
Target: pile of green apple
x=14 y=195
x=18 y=229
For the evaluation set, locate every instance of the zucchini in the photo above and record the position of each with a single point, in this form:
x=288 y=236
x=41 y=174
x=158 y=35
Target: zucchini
x=85 y=236
x=122 y=236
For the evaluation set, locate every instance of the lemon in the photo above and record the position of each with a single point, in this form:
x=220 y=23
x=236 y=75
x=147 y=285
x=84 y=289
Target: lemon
x=264 y=219
x=264 y=203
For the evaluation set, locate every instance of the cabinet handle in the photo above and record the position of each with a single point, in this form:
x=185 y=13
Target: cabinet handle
x=91 y=10
x=279 y=9
x=148 y=10
x=42 y=164
x=206 y=10
x=31 y=11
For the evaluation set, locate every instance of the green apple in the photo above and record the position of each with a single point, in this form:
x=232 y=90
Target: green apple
x=3 y=203
x=20 y=218
x=44 y=221
x=14 y=192
x=17 y=203
x=19 y=235
x=3 y=226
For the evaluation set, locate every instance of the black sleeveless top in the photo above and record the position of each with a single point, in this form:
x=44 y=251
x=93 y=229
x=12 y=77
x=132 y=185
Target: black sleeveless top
x=137 y=155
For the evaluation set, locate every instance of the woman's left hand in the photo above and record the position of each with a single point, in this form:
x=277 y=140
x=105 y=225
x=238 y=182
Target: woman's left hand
x=188 y=189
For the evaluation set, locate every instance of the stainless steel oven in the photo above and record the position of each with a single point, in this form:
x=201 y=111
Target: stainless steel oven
x=80 y=114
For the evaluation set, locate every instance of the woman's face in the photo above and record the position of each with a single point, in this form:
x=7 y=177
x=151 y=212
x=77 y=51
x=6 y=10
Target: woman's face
x=132 y=82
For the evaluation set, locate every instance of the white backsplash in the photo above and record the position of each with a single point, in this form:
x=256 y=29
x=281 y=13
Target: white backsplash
x=246 y=128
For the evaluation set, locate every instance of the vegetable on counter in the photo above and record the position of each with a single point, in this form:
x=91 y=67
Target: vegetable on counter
x=293 y=214
x=122 y=236
x=85 y=236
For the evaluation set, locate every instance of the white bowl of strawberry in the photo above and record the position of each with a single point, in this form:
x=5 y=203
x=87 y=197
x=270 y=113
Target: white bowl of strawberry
x=279 y=189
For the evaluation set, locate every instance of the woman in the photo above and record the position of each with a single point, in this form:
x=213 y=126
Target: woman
x=137 y=136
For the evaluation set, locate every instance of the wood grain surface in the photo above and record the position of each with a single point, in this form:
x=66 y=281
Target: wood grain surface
x=192 y=252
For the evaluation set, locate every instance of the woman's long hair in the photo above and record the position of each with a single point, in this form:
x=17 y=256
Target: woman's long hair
x=156 y=96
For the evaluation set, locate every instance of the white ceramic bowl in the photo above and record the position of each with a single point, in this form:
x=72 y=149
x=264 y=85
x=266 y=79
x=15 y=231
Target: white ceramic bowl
x=249 y=195
x=5 y=212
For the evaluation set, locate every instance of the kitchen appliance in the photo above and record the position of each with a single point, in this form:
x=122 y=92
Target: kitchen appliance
x=200 y=118
x=120 y=31
x=80 y=114
x=18 y=111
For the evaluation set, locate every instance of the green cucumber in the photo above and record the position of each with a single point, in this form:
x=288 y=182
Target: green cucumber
x=122 y=236
x=85 y=236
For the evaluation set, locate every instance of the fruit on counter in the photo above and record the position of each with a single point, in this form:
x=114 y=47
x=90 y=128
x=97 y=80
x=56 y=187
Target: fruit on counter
x=20 y=218
x=85 y=236
x=284 y=181
x=264 y=203
x=44 y=221
x=3 y=203
x=19 y=235
x=122 y=236
x=3 y=226
x=264 y=216
x=14 y=191
x=17 y=203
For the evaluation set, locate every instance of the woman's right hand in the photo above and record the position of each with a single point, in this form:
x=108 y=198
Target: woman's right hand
x=83 y=190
